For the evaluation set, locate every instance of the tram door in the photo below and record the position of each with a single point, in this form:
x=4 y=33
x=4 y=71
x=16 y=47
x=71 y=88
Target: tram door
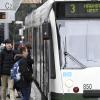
x=46 y=59
x=48 y=68
x=41 y=61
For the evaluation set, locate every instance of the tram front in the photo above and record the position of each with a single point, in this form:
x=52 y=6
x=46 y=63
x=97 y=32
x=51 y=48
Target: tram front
x=78 y=25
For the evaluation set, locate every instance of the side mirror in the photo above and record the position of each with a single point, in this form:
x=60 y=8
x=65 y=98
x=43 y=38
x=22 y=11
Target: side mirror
x=46 y=29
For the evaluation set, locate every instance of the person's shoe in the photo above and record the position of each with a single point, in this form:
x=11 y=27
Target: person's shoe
x=8 y=95
x=19 y=96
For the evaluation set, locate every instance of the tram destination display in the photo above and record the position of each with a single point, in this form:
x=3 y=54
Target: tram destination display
x=77 y=9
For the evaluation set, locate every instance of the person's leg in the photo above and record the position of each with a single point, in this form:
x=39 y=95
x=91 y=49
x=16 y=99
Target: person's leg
x=30 y=89
x=17 y=88
x=11 y=89
x=18 y=94
x=4 y=79
x=25 y=93
x=8 y=94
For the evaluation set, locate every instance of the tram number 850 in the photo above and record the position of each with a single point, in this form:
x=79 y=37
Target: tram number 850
x=87 y=86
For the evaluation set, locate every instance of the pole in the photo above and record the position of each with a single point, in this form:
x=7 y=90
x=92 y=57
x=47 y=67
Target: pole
x=6 y=31
x=13 y=33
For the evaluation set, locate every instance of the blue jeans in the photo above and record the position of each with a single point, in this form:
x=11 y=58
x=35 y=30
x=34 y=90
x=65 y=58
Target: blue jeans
x=26 y=93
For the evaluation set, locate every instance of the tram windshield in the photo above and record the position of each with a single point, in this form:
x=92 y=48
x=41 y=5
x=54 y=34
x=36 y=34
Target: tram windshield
x=78 y=25
x=79 y=43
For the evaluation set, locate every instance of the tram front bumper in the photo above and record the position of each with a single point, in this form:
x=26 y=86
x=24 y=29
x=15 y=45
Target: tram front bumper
x=91 y=93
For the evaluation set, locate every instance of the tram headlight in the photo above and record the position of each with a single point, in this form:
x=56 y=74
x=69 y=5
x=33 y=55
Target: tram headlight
x=69 y=83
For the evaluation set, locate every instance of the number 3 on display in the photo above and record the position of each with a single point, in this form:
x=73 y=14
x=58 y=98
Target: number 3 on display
x=73 y=8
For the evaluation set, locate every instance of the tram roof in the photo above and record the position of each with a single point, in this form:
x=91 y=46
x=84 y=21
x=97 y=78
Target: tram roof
x=39 y=15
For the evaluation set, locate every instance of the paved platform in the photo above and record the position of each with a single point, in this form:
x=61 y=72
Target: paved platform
x=35 y=94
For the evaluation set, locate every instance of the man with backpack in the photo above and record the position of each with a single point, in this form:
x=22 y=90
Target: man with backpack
x=6 y=63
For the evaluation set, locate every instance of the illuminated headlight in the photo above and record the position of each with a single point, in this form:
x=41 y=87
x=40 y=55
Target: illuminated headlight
x=69 y=83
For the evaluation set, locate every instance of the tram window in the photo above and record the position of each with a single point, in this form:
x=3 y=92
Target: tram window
x=35 y=51
x=58 y=36
x=52 y=63
x=46 y=29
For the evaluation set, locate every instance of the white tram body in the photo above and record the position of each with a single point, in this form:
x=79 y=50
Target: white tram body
x=76 y=49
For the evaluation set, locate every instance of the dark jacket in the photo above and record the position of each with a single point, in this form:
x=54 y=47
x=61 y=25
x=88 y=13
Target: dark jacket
x=30 y=61
x=26 y=76
x=6 y=61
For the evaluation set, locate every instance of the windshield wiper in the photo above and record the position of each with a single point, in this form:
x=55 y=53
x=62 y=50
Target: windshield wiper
x=73 y=59
x=67 y=54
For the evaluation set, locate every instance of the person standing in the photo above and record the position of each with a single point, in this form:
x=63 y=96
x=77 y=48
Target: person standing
x=6 y=63
x=26 y=76
x=30 y=61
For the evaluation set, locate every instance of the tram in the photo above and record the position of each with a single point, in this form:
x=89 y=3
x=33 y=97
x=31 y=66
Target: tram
x=66 y=49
